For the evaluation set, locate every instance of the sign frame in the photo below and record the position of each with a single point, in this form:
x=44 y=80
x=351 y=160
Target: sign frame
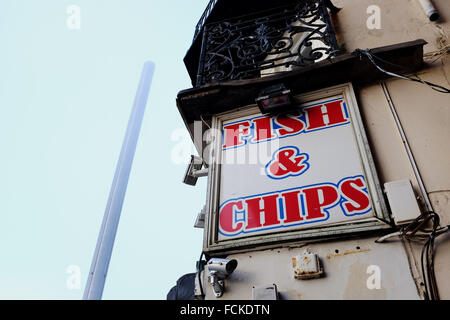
x=380 y=220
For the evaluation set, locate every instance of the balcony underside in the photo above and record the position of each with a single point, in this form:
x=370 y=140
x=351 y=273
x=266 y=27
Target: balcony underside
x=218 y=97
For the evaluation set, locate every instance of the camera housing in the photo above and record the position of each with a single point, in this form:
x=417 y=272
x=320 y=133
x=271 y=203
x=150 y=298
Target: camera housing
x=194 y=171
x=219 y=269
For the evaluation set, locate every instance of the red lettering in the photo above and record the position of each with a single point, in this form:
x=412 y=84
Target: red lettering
x=234 y=132
x=294 y=125
x=358 y=200
x=292 y=208
x=263 y=211
x=318 y=199
x=254 y=211
x=316 y=116
x=263 y=129
x=226 y=217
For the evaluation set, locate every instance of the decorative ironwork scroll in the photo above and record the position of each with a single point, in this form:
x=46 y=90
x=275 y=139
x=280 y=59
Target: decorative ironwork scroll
x=267 y=42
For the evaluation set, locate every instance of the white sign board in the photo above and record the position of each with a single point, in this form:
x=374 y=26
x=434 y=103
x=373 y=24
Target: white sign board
x=292 y=172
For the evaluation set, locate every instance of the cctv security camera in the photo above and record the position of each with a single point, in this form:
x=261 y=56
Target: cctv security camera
x=222 y=267
x=219 y=270
x=194 y=171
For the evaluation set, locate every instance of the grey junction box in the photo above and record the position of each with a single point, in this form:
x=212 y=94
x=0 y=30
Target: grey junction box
x=402 y=201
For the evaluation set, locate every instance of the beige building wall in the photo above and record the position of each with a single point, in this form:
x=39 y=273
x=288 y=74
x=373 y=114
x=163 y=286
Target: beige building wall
x=424 y=114
x=425 y=117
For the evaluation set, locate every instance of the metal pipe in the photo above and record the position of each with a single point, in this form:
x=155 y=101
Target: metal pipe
x=429 y=9
x=407 y=148
x=102 y=255
x=390 y=235
x=200 y=173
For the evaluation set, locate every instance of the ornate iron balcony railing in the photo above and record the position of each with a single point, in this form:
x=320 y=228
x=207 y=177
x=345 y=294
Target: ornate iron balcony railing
x=273 y=41
x=203 y=18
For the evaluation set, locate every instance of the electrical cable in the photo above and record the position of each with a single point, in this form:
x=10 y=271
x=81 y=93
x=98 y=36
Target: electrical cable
x=443 y=45
x=201 y=118
x=199 y=271
x=372 y=58
x=427 y=254
x=384 y=238
x=427 y=257
x=427 y=262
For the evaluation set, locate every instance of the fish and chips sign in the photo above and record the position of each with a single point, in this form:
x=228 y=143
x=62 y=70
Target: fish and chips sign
x=291 y=172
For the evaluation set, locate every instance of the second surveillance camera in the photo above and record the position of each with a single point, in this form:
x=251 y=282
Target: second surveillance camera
x=194 y=171
x=195 y=164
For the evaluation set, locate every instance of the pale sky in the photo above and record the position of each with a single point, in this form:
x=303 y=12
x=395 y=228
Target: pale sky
x=65 y=98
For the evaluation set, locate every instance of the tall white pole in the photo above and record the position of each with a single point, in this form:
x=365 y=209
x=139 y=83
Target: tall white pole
x=105 y=242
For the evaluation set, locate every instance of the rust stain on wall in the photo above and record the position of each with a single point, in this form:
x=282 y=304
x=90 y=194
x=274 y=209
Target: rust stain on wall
x=345 y=253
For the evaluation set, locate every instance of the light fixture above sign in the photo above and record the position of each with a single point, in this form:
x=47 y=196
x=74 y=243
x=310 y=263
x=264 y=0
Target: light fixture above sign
x=275 y=99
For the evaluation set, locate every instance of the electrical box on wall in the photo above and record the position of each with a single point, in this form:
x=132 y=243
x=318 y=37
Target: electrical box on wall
x=267 y=292
x=307 y=266
x=402 y=201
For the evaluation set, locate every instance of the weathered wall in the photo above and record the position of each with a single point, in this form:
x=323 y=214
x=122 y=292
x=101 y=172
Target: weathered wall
x=424 y=114
x=401 y=20
x=425 y=117
x=345 y=265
